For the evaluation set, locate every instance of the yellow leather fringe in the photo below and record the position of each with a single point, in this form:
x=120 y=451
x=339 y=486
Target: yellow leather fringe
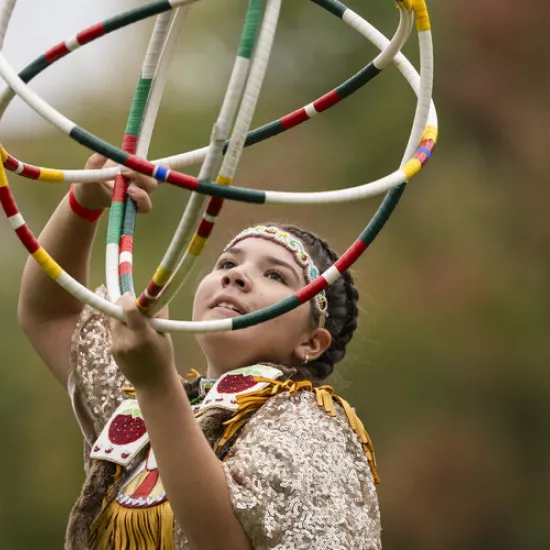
x=250 y=402
x=122 y=528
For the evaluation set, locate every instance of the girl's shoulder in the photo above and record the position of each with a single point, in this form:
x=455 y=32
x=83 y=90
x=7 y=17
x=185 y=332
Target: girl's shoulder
x=298 y=456
x=286 y=409
x=299 y=414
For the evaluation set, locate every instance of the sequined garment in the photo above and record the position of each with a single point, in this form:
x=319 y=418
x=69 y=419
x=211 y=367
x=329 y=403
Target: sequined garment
x=298 y=478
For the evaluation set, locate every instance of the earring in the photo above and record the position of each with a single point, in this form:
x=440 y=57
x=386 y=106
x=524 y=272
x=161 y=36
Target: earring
x=306 y=359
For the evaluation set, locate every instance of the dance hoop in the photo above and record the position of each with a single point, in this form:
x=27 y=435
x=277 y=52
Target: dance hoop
x=419 y=149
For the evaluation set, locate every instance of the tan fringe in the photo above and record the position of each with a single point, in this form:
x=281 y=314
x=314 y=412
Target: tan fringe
x=122 y=528
x=362 y=434
x=250 y=402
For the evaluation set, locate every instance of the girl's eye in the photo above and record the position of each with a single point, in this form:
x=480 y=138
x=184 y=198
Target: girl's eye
x=276 y=276
x=226 y=264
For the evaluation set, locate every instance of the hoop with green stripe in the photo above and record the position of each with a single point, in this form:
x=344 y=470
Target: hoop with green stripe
x=240 y=78
x=260 y=134
x=120 y=230
x=424 y=131
x=179 y=266
x=178 y=278
x=208 y=187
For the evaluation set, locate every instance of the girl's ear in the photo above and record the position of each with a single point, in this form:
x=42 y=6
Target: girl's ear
x=318 y=342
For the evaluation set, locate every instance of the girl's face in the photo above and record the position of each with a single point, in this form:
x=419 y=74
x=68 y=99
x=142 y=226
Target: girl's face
x=254 y=274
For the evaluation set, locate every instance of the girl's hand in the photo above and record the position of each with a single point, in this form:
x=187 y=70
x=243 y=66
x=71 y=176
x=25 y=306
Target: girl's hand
x=95 y=196
x=145 y=356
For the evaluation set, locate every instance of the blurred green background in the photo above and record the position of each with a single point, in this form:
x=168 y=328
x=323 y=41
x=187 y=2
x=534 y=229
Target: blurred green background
x=449 y=367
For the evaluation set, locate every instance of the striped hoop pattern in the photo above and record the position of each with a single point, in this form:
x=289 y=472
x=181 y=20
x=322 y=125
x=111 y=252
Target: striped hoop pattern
x=419 y=149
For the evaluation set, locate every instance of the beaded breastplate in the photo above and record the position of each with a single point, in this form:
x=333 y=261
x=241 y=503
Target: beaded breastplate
x=124 y=438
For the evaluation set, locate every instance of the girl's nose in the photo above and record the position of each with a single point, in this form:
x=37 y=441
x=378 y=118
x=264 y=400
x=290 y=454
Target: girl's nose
x=236 y=277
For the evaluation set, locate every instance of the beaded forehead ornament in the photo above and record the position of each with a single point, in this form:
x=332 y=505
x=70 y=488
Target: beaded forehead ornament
x=295 y=247
x=230 y=135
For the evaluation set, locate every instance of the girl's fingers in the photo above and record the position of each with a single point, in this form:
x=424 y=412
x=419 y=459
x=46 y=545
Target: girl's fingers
x=146 y=182
x=141 y=197
x=142 y=181
x=110 y=163
x=135 y=320
x=95 y=161
x=109 y=185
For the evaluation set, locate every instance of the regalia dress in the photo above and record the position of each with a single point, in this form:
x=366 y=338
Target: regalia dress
x=298 y=463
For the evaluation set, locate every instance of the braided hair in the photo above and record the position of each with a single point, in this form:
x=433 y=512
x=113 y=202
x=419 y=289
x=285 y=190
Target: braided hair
x=342 y=299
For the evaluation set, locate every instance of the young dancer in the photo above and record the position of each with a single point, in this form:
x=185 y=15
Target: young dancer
x=255 y=455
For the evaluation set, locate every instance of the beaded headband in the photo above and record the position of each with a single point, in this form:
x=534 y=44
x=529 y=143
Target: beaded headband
x=296 y=247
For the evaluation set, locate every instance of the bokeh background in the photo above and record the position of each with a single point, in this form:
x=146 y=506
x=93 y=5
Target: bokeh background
x=449 y=367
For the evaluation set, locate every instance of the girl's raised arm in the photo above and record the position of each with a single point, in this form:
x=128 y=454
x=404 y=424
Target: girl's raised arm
x=47 y=313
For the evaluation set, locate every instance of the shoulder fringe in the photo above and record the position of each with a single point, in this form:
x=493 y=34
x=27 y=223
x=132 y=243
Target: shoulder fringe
x=250 y=402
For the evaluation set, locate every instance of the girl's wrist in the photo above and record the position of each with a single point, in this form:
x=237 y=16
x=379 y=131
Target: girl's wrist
x=84 y=204
x=160 y=386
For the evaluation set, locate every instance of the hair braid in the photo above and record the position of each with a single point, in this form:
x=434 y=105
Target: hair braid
x=342 y=297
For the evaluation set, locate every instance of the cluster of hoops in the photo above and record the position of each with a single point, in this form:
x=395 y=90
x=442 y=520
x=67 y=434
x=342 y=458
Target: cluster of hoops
x=230 y=135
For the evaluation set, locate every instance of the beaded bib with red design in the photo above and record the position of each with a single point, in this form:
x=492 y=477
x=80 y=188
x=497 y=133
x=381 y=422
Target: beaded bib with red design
x=125 y=436
x=223 y=394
